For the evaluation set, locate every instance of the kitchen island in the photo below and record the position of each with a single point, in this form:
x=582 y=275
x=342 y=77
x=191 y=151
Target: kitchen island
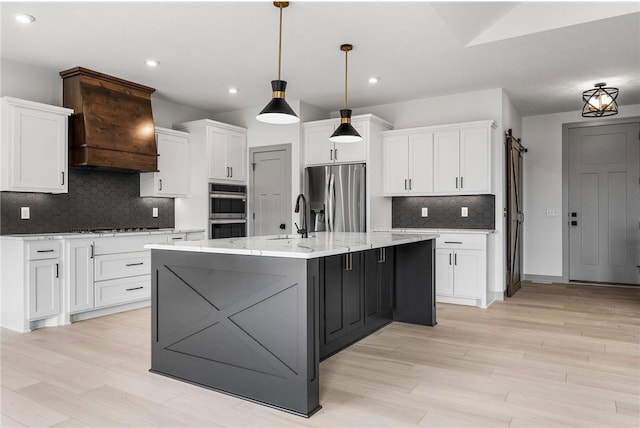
x=253 y=317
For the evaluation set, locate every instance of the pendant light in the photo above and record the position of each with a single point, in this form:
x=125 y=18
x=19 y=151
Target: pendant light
x=600 y=102
x=345 y=133
x=278 y=110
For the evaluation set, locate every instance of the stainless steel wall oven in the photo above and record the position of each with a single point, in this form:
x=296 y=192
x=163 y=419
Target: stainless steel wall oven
x=227 y=211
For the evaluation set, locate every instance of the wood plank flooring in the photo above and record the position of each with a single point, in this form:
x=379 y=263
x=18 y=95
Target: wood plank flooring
x=552 y=356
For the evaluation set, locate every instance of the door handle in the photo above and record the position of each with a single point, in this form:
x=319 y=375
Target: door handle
x=455 y=259
x=231 y=171
x=409 y=184
x=461 y=182
x=405 y=184
x=91 y=254
x=57 y=270
x=227 y=172
x=331 y=154
x=336 y=153
x=62 y=174
x=449 y=258
x=456 y=182
x=160 y=184
x=283 y=226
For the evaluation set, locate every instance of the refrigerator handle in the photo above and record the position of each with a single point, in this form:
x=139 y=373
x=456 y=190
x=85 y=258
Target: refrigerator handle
x=331 y=195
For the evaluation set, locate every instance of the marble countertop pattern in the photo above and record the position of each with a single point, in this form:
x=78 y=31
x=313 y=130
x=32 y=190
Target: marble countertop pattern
x=438 y=231
x=319 y=244
x=75 y=235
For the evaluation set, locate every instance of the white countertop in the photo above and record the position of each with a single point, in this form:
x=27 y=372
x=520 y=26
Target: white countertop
x=438 y=231
x=319 y=244
x=74 y=235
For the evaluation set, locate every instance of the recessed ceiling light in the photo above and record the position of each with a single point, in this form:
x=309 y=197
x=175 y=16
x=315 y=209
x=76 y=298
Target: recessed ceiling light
x=24 y=18
x=152 y=62
x=374 y=79
x=233 y=90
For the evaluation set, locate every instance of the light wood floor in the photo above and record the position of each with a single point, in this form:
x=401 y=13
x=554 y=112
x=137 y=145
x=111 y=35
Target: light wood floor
x=552 y=356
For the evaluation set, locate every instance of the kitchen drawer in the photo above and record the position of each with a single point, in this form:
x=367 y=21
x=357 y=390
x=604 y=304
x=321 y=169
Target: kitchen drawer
x=176 y=237
x=124 y=290
x=43 y=250
x=111 y=266
x=462 y=240
x=127 y=244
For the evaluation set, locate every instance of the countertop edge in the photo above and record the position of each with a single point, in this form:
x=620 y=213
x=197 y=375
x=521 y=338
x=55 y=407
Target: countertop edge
x=67 y=235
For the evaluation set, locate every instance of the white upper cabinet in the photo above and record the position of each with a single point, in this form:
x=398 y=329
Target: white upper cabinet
x=172 y=178
x=320 y=151
x=227 y=155
x=33 y=157
x=408 y=160
x=439 y=160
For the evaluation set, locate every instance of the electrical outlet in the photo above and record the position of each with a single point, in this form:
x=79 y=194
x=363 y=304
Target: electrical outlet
x=155 y=212
x=25 y=213
x=425 y=212
x=464 y=212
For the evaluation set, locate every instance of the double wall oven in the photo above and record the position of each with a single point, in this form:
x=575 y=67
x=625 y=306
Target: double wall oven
x=227 y=211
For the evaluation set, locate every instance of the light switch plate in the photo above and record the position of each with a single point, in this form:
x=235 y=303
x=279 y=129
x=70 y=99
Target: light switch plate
x=155 y=211
x=464 y=212
x=25 y=213
x=551 y=212
x=425 y=212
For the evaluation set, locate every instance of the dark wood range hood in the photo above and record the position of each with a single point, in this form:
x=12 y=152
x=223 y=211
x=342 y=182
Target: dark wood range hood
x=112 y=124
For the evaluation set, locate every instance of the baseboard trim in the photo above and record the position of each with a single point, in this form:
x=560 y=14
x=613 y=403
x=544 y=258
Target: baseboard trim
x=109 y=310
x=544 y=279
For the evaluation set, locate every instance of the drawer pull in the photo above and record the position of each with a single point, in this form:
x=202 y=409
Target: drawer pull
x=176 y=238
x=453 y=242
x=134 y=264
x=135 y=288
x=45 y=251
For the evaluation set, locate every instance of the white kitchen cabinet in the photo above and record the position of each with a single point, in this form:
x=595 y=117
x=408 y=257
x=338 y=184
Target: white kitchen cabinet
x=227 y=155
x=461 y=269
x=172 y=178
x=79 y=254
x=463 y=160
x=449 y=159
x=44 y=288
x=33 y=155
x=408 y=163
x=320 y=151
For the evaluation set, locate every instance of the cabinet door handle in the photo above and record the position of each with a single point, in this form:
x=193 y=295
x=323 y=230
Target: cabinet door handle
x=455 y=259
x=230 y=171
x=456 y=182
x=449 y=258
x=62 y=174
x=135 y=288
x=45 y=251
x=453 y=242
x=160 y=184
x=331 y=154
x=227 y=172
x=134 y=264
x=405 y=184
x=336 y=154
x=409 y=184
x=91 y=254
x=461 y=182
x=57 y=270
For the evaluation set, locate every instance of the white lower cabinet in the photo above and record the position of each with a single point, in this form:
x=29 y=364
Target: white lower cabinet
x=79 y=255
x=461 y=269
x=44 y=288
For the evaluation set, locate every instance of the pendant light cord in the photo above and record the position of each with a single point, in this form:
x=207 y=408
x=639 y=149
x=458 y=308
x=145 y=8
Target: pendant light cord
x=280 y=43
x=346 y=56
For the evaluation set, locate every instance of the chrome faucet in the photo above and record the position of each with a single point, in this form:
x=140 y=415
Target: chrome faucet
x=302 y=231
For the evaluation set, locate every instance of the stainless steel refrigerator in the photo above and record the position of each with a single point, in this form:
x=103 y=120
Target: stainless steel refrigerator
x=336 y=195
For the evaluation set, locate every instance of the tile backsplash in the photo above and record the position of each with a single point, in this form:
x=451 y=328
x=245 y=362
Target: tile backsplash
x=444 y=212
x=96 y=199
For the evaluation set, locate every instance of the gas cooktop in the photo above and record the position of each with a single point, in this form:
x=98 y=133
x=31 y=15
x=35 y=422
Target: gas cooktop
x=111 y=229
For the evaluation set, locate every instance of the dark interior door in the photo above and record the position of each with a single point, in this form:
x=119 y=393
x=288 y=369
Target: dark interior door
x=515 y=213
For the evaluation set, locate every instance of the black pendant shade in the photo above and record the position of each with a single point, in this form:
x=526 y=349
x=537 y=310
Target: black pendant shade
x=345 y=133
x=600 y=102
x=278 y=111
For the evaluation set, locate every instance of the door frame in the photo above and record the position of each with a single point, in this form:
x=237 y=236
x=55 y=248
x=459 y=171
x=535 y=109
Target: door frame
x=250 y=192
x=565 y=179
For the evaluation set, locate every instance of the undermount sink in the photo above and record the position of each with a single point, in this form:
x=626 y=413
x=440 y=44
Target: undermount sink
x=288 y=237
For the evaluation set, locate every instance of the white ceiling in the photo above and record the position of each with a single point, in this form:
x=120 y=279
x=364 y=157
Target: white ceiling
x=543 y=54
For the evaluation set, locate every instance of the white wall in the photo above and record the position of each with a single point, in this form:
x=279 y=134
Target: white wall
x=44 y=85
x=261 y=134
x=542 y=136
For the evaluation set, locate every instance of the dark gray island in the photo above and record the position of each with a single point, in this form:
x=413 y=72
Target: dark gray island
x=253 y=317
